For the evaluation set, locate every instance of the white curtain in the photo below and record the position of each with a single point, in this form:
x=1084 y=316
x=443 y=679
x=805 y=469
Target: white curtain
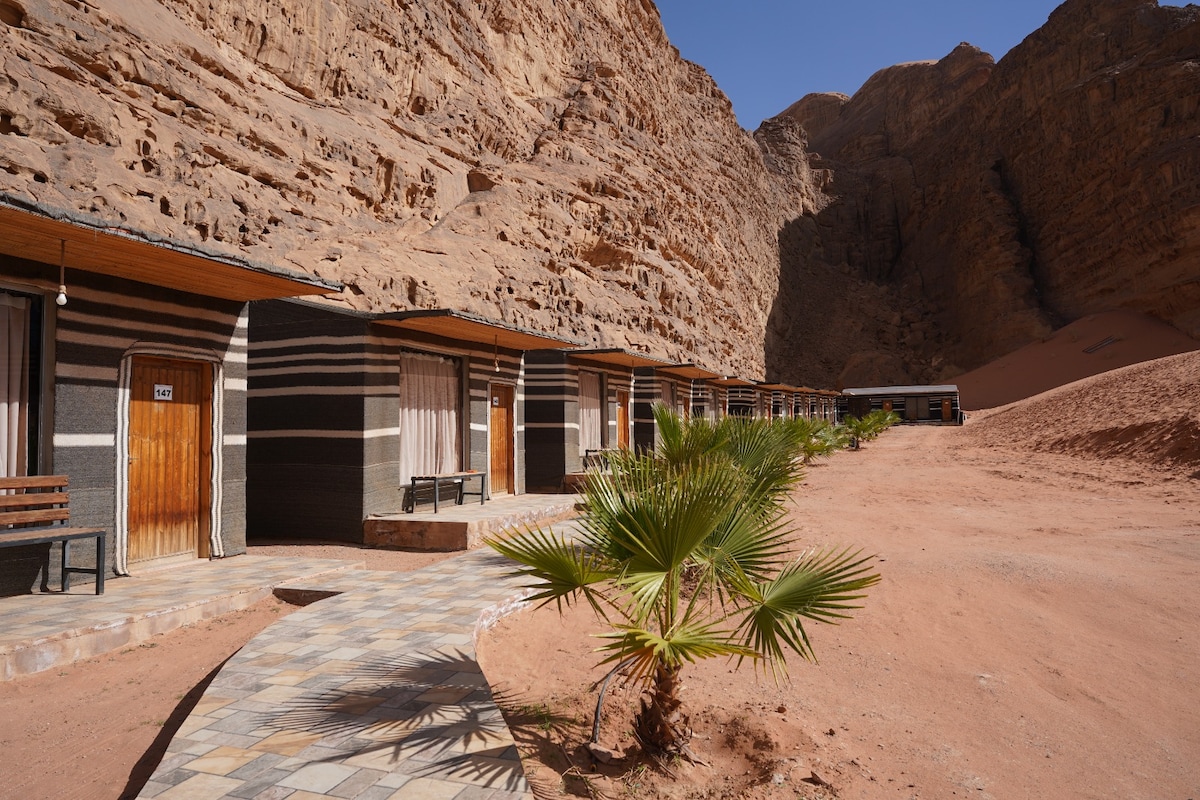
x=589 y=412
x=14 y=385
x=429 y=428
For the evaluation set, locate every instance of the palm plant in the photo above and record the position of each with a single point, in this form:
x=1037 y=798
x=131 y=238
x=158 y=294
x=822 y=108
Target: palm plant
x=818 y=438
x=685 y=554
x=869 y=426
x=882 y=420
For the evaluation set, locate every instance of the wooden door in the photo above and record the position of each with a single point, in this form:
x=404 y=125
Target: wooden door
x=170 y=407
x=946 y=409
x=500 y=427
x=622 y=419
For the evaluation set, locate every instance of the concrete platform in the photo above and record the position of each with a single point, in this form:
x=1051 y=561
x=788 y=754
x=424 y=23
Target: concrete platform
x=456 y=527
x=42 y=631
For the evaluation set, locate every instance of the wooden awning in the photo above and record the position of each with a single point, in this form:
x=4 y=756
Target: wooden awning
x=778 y=387
x=464 y=327
x=733 y=382
x=616 y=356
x=54 y=237
x=689 y=372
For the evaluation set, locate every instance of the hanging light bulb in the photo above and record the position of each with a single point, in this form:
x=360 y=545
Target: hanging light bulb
x=496 y=355
x=62 y=274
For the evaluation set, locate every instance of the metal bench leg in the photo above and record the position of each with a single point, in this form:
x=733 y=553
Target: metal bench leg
x=66 y=574
x=101 y=564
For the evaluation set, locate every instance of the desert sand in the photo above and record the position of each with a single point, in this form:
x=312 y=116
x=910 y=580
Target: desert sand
x=1034 y=635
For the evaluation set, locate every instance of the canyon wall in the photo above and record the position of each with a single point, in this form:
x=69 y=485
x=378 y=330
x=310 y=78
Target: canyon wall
x=998 y=201
x=558 y=166
x=554 y=165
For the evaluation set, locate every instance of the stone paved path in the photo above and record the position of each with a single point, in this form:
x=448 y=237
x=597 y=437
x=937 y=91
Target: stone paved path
x=371 y=694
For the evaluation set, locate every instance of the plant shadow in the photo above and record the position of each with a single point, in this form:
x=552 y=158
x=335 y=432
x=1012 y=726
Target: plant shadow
x=430 y=715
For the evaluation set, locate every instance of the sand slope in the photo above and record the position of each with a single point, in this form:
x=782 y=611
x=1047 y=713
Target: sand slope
x=1147 y=412
x=1086 y=347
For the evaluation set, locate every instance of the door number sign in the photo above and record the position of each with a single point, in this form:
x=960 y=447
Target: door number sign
x=163 y=391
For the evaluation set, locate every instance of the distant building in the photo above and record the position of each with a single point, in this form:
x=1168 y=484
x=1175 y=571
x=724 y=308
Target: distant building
x=916 y=404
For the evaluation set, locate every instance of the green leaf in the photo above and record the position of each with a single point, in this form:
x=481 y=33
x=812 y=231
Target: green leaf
x=559 y=569
x=820 y=586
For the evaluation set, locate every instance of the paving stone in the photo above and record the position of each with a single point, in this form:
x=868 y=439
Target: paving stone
x=371 y=693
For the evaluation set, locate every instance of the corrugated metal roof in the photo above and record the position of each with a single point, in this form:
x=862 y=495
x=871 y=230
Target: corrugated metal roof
x=871 y=391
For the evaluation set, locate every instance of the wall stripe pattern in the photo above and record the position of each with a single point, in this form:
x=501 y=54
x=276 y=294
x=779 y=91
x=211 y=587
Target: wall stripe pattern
x=324 y=409
x=105 y=322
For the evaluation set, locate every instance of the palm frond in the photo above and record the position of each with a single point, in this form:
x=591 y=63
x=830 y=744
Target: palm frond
x=688 y=643
x=558 y=569
x=820 y=586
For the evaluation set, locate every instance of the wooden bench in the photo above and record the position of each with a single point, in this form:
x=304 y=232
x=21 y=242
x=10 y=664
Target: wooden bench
x=33 y=510
x=455 y=479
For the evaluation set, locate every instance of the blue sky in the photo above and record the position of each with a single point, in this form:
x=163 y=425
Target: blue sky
x=767 y=54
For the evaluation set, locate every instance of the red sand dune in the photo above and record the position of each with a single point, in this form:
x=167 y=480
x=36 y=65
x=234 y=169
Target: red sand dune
x=1086 y=347
x=1147 y=412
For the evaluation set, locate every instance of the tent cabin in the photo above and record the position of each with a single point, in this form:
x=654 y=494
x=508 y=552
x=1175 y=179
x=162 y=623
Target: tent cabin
x=132 y=384
x=914 y=404
x=802 y=402
x=578 y=403
x=742 y=396
x=781 y=399
x=346 y=407
x=696 y=397
x=816 y=403
x=674 y=385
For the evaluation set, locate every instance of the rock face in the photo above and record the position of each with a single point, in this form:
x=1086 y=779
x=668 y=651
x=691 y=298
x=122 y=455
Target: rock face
x=559 y=166
x=998 y=201
x=555 y=165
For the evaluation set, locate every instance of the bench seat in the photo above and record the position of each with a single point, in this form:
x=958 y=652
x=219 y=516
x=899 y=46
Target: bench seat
x=33 y=510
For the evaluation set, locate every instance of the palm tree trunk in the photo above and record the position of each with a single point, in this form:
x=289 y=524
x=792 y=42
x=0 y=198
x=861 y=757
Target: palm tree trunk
x=661 y=728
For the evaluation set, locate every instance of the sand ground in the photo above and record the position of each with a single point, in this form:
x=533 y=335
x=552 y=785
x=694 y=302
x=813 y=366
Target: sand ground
x=1034 y=636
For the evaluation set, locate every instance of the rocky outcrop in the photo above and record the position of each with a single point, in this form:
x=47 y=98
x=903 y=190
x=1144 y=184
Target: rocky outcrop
x=554 y=165
x=1001 y=200
x=560 y=167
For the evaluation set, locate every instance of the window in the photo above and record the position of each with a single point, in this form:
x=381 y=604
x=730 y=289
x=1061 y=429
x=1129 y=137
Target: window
x=20 y=379
x=590 y=420
x=430 y=432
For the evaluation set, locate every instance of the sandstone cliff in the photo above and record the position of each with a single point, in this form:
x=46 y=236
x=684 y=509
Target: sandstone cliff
x=559 y=166
x=1001 y=200
x=555 y=165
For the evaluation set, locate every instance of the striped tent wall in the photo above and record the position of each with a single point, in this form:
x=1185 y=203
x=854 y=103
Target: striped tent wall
x=552 y=414
x=551 y=419
x=324 y=417
x=648 y=383
x=645 y=395
x=743 y=401
x=106 y=322
x=312 y=377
